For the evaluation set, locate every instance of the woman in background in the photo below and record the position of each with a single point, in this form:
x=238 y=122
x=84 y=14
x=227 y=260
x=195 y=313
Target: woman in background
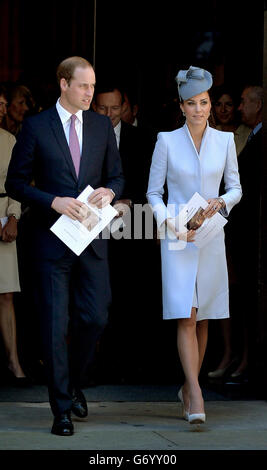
x=226 y=115
x=9 y=276
x=20 y=103
x=227 y=118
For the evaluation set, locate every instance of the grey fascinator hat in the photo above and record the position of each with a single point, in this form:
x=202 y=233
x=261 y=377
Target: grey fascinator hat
x=193 y=81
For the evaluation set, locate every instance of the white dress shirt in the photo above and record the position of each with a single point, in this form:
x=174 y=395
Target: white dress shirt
x=257 y=128
x=65 y=117
x=117 y=130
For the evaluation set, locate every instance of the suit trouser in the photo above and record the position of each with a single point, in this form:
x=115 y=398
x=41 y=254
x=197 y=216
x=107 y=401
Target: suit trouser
x=72 y=296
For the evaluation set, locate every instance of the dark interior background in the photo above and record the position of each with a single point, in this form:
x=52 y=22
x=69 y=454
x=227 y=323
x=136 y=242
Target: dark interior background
x=141 y=42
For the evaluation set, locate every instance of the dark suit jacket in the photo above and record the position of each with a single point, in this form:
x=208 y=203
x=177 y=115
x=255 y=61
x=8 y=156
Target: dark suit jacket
x=136 y=148
x=242 y=230
x=249 y=169
x=42 y=153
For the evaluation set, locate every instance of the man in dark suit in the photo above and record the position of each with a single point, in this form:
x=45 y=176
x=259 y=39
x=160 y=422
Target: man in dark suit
x=135 y=144
x=64 y=149
x=243 y=230
x=129 y=317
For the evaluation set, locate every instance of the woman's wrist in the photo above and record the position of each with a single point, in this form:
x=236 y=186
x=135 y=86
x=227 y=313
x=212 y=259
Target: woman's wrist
x=13 y=217
x=221 y=201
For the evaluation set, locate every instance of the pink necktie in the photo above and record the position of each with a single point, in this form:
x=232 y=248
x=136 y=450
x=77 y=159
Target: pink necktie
x=74 y=145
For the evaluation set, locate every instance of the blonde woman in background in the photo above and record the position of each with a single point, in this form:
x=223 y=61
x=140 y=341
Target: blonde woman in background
x=9 y=276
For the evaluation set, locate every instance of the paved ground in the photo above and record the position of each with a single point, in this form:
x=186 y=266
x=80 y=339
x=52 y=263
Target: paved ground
x=231 y=425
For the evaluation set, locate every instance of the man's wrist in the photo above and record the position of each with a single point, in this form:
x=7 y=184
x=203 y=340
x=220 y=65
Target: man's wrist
x=112 y=193
x=111 y=190
x=53 y=202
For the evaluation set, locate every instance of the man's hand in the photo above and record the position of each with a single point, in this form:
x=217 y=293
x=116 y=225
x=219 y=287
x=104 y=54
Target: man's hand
x=101 y=197
x=10 y=230
x=68 y=206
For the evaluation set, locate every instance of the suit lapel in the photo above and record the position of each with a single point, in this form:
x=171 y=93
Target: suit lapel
x=85 y=147
x=61 y=140
x=88 y=155
x=123 y=137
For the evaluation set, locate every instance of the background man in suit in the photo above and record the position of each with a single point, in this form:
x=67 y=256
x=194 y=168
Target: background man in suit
x=129 y=281
x=135 y=144
x=130 y=108
x=244 y=248
x=64 y=149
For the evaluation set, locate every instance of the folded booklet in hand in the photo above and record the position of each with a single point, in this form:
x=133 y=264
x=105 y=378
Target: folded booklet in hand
x=78 y=235
x=191 y=218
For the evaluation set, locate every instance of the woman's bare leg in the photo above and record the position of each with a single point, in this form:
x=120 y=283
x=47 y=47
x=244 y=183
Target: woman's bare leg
x=202 y=338
x=191 y=342
x=8 y=331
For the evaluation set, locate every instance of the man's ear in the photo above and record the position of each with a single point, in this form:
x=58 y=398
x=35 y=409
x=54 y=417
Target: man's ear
x=123 y=107
x=259 y=106
x=135 y=109
x=63 y=84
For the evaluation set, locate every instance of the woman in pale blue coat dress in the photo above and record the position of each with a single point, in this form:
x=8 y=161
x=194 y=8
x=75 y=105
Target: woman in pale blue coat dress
x=194 y=158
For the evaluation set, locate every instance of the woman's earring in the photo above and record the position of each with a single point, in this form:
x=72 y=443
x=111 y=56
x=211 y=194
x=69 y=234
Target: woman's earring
x=183 y=113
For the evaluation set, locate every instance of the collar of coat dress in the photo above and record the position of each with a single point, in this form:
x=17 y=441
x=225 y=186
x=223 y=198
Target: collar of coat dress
x=187 y=132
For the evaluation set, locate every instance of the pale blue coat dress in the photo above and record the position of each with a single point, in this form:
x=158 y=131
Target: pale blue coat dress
x=193 y=276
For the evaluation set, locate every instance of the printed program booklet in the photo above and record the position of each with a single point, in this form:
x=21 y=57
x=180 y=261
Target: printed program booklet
x=191 y=217
x=78 y=235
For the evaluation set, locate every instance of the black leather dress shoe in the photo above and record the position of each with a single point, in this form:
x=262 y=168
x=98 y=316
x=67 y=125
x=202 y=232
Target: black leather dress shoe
x=79 y=405
x=62 y=425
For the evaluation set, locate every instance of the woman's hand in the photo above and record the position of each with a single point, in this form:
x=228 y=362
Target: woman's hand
x=10 y=230
x=215 y=205
x=188 y=236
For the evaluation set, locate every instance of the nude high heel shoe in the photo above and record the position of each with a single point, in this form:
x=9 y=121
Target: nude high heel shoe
x=184 y=412
x=196 y=418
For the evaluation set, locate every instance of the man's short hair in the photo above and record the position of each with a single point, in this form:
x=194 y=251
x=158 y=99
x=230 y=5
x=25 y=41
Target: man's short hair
x=3 y=91
x=109 y=88
x=68 y=66
x=256 y=92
